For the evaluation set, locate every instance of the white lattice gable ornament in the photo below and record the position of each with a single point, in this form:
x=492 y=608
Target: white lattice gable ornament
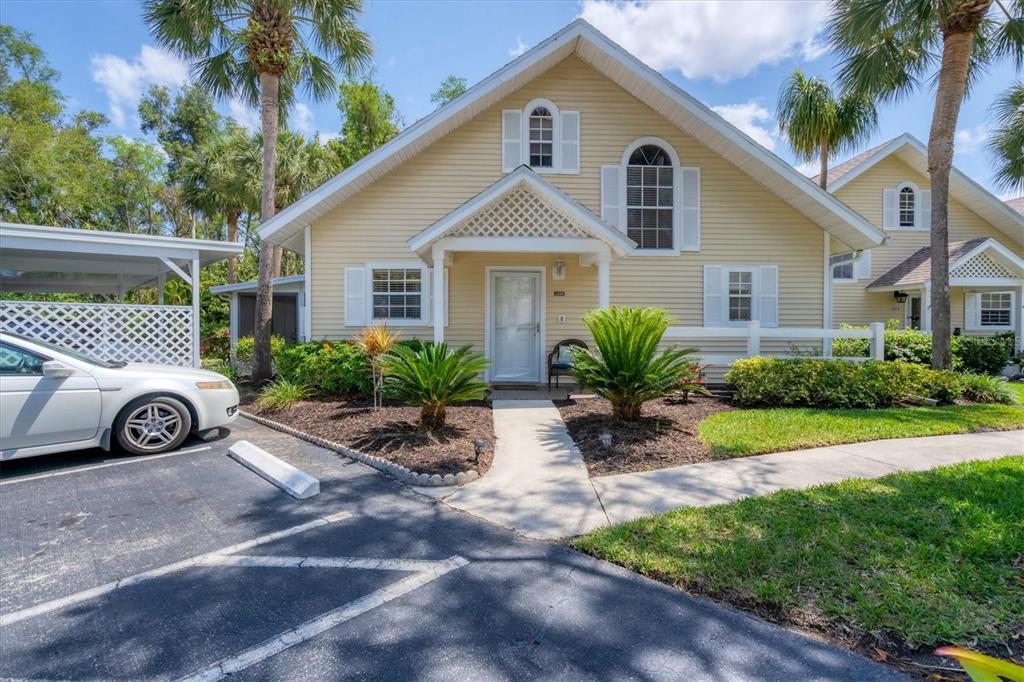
x=520 y=213
x=983 y=266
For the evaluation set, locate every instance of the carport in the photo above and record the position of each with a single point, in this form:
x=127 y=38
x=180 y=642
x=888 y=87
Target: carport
x=36 y=259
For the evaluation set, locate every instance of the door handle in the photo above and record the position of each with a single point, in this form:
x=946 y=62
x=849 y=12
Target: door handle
x=537 y=327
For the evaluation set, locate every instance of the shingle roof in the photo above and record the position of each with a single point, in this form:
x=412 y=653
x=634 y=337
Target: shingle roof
x=836 y=172
x=917 y=269
x=1016 y=204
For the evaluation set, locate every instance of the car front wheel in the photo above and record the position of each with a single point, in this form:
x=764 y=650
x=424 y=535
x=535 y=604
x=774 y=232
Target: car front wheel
x=151 y=425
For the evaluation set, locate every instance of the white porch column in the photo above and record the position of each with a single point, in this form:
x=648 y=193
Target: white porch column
x=1018 y=319
x=233 y=323
x=438 y=297
x=195 y=312
x=307 y=286
x=603 y=282
x=926 y=308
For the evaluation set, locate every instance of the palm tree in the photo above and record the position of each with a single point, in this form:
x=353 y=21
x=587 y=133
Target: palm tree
x=888 y=49
x=819 y=125
x=217 y=179
x=262 y=51
x=1007 y=142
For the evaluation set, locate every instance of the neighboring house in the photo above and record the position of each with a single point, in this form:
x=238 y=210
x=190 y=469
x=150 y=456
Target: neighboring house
x=574 y=177
x=889 y=185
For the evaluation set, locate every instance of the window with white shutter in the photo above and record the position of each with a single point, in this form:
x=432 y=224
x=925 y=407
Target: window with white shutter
x=398 y=293
x=659 y=203
x=570 y=142
x=610 y=185
x=905 y=207
x=511 y=140
x=355 y=297
x=736 y=295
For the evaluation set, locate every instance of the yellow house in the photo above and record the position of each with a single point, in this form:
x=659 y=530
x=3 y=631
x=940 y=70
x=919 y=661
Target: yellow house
x=889 y=185
x=572 y=178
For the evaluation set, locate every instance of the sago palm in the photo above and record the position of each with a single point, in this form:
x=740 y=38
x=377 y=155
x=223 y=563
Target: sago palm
x=626 y=368
x=432 y=378
x=217 y=179
x=261 y=50
x=1007 y=141
x=889 y=49
x=817 y=124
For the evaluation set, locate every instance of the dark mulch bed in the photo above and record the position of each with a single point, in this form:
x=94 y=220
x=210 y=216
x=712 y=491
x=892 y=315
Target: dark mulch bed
x=393 y=431
x=665 y=436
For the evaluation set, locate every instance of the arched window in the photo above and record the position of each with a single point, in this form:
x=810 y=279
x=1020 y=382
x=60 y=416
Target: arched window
x=907 y=207
x=650 y=197
x=542 y=137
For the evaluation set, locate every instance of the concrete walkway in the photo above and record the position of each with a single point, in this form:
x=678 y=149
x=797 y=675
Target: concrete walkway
x=538 y=484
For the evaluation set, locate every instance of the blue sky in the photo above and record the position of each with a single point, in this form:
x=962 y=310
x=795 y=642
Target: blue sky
x=731 y=55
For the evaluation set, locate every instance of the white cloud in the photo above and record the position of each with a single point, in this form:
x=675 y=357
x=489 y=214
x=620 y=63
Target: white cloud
x=718 y=40
x=808 y=168
x=970 y=140
x=125 y=81
x=519 y=49
x=753 y=119
x=244 y=115
x=302 y=119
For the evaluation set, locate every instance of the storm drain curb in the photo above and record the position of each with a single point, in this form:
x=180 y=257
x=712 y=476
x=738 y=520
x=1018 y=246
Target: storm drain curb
x=399 y=473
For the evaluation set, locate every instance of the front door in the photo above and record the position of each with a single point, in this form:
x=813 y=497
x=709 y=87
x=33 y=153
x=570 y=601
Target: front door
x=913 y=320
x=515 y=327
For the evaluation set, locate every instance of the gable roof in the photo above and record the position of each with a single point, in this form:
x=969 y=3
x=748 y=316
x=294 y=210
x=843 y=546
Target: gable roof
x=1016 y=204
x=523 y=176
x=644 y=83
x=916 y=270
x=914 y=153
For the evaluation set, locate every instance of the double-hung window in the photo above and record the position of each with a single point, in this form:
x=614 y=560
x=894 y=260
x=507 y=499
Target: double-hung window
x=741 y=295
x=398 y=294
x=650 y=198
x=996 y=309
x=542 y=138
x=908 y=207
x=842 y=267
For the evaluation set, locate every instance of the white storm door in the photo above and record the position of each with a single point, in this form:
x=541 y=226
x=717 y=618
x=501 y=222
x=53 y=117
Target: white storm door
x=516 y=342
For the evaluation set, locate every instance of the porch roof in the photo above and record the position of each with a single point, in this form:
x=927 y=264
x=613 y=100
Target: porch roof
x=522 y=205
x=41 y=259
x=973 y=262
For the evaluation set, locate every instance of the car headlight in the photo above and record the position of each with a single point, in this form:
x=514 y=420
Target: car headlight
x=214 y=384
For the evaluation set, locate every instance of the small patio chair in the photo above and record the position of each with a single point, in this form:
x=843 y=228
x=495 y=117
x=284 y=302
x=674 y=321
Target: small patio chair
x=560 y=359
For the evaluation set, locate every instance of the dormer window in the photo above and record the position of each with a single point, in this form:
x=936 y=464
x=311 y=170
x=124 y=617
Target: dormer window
x=542 y=138
x=907 y=207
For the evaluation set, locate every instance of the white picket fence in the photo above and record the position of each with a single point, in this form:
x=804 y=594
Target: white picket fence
x=107 y=331
x=754 y=334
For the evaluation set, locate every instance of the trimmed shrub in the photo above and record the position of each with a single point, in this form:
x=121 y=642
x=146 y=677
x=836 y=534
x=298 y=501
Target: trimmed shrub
x=982 y=388
x=803 y=382
x=978 y=354
x=244 y=347
x=981 y=354
x=325 y=367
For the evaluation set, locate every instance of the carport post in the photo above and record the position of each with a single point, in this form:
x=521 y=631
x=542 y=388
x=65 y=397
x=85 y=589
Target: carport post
x=195 y=312
x=161 y=280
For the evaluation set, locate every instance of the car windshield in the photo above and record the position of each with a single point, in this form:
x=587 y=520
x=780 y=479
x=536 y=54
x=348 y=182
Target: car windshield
x=71 y=353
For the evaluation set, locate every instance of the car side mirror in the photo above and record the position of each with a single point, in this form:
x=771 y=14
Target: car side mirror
x=56 y=370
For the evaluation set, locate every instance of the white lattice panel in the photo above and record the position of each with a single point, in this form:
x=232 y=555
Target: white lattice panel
x=983 y=265
x=520 y=214
x=136 y=333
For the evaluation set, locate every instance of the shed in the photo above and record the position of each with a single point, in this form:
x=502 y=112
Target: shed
x=289 y=316
x=36 y=259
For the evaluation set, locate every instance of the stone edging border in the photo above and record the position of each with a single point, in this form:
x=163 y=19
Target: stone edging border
x=395 y=471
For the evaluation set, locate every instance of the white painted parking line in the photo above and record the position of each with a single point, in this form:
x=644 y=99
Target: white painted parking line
x=315 y=626
x=78 y=597
x=362 y=563
x=145 y=458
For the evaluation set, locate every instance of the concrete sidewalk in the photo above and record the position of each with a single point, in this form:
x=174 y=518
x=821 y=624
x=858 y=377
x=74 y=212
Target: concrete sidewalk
x=538 y=484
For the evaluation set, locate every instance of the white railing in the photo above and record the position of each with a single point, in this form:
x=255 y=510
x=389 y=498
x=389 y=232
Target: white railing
x=753 y=333
x=108 y=331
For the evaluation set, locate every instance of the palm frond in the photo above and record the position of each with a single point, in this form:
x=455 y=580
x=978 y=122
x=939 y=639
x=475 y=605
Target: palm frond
x=1007 y=141
x=433 y=377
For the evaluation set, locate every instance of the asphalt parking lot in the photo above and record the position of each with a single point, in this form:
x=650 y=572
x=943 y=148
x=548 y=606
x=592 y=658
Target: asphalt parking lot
x=188 y=566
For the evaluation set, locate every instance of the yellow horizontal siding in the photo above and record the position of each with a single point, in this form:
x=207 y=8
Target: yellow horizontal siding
x=742 y=223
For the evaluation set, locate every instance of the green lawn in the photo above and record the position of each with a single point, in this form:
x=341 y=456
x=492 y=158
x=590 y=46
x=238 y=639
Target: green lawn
x=756 y=431
x=932 y=558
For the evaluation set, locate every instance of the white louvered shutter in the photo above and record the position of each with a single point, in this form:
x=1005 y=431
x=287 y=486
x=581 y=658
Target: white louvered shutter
x=713 y=296
x=570 y=142
x=768 y=295
x=863 y=266
x=428 y=297
x=972 y=311
x=924 y=211
x=511 y=139
x=889 y=209
x=689 y=208
x=610 y=180
x=355 y=297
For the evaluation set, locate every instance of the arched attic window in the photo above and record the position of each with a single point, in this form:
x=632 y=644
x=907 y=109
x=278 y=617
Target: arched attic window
x=650 y=197
x=541 y=137
x=907 y=206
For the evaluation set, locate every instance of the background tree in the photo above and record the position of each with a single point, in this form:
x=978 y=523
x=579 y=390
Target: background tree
x=369 y=119
x=451 y=87
x=261 y=50
x=1007 y=141
x=887 y=50
x=817 y=124
x=217 y=178
x=134 y=185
